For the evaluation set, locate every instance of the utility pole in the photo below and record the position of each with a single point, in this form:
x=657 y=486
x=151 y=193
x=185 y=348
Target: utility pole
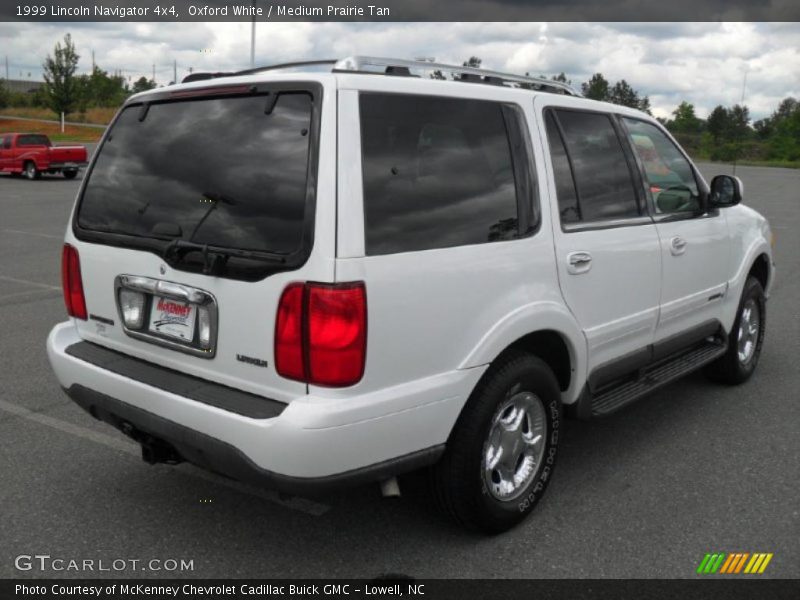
x=6 y=67
x=253 y=39
x=174 y=71
x=154 y=72
x=746 y=68
x=93 y=63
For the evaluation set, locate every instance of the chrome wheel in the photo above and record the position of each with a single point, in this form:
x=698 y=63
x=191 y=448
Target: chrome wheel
x=515 y=445
x=749 y=326
x=30 y=171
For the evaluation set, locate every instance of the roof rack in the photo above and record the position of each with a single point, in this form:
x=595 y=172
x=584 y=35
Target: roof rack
x=394 y=66
x=406 y=68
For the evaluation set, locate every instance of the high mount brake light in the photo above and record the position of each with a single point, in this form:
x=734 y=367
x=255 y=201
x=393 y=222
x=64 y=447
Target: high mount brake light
x=220 y=90
x=321 y=333
x=72 y=284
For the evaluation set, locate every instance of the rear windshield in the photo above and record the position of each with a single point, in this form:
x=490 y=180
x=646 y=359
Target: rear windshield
x=33 y=140
x=230 y=172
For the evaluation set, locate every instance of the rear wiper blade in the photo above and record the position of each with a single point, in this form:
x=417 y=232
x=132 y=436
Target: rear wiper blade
x=216 y=257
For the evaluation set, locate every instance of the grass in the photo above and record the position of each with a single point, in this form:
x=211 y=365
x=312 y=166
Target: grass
x=72 y=133
x=96 y=116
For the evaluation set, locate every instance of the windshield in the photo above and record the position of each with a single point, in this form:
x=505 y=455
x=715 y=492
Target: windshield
x=227 y=172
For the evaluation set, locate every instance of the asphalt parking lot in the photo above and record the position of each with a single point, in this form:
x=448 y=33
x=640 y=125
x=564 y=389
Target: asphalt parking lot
x=695 y=468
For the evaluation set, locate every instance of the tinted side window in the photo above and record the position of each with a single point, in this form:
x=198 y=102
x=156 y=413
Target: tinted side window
x=565 y=186
x=7 y=142
x=438 y=172
x=669 y=175
x=605 y=188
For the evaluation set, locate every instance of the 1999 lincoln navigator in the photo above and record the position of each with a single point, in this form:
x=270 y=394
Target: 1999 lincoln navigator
x=307 y=279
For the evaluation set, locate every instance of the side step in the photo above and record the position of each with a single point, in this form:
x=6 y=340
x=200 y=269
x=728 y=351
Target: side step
x=652 y=377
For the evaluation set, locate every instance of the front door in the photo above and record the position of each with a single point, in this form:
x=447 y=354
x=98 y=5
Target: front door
x=607 y=247
x=694 y=242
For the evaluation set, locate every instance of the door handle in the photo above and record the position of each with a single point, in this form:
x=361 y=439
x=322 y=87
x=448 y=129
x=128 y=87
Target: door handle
x=677 y=246
x=579 y=262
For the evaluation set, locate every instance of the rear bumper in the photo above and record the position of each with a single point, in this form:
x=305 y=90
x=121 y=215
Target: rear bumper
x=315 y=443
x=58 y=166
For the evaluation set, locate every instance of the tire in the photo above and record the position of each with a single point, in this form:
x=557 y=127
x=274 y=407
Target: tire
x=746 y=338
x=464 y=484
x=31 y=172
x=70 y=174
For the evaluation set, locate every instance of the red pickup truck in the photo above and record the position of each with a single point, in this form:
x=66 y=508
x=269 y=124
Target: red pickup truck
x=34 y=154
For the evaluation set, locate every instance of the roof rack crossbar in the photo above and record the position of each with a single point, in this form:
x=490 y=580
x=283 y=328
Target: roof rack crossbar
x=363 y=63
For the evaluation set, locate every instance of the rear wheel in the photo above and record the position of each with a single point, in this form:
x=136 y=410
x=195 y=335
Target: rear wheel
x=502 y=451
x=31 y=172
x=744 y=344
x=70 y=174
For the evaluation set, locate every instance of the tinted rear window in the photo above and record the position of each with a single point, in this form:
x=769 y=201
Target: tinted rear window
x=220 y=169
x=438 y=172
x=33 y=140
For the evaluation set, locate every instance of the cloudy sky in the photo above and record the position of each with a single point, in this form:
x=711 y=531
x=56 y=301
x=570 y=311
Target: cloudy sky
x=703 y=63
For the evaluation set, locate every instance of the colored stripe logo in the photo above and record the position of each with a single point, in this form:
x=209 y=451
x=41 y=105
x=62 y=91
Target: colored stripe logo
x=734 y=563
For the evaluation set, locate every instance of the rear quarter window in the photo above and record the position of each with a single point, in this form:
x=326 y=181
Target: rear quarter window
x=439 y=172
x=33 y=140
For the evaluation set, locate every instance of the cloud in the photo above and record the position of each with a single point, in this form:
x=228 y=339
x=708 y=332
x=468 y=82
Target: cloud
x=703 y=63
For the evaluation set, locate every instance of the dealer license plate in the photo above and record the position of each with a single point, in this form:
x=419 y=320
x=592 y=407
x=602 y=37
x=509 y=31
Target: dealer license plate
x=173 y=319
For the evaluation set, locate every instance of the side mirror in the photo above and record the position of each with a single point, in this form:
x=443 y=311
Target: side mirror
x=726 y=190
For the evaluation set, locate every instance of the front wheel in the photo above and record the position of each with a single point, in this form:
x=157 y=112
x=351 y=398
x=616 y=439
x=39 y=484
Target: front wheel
x=744 y=344
x=31 y=172
x=501 y=454
x=70 y=174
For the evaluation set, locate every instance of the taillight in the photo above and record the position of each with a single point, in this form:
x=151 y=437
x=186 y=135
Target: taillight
x=72 y=284
x=321 y=333
x=289 y=347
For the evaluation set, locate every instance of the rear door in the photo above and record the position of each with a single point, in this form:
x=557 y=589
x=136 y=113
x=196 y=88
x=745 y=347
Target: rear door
x=607 y=247
x=226 y=194
x=694 y=242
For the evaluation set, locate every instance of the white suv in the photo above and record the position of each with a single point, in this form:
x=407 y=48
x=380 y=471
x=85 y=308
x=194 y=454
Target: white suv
x=308 y=278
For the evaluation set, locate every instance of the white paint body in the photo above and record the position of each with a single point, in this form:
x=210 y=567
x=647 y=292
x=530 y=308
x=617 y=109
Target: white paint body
x=436 y=319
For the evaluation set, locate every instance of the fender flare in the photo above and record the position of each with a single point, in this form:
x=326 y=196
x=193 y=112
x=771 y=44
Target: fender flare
x=757 y=248
x=531 y=318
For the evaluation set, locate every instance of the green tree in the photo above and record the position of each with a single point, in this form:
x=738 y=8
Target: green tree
x=61 y=89
x=623 y=94
x=101 y=89
x=784 y=143
x=596 y=88
x=4 y=95
x=718 y=123
x=685 y=121
x=739 y=122
x=473 y=61
x=142 y=85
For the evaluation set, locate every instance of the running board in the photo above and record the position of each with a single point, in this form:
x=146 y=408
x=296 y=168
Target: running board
x=612 y=398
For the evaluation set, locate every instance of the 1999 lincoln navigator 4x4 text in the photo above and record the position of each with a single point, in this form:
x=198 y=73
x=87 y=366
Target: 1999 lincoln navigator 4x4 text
x=309 y=279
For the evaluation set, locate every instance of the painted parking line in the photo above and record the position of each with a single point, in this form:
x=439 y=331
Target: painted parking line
x=33 y=233
x=121 y=444
x=30 y=294
x=29 y=282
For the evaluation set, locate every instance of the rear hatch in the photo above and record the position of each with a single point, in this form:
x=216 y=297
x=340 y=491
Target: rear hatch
x=199 y=209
